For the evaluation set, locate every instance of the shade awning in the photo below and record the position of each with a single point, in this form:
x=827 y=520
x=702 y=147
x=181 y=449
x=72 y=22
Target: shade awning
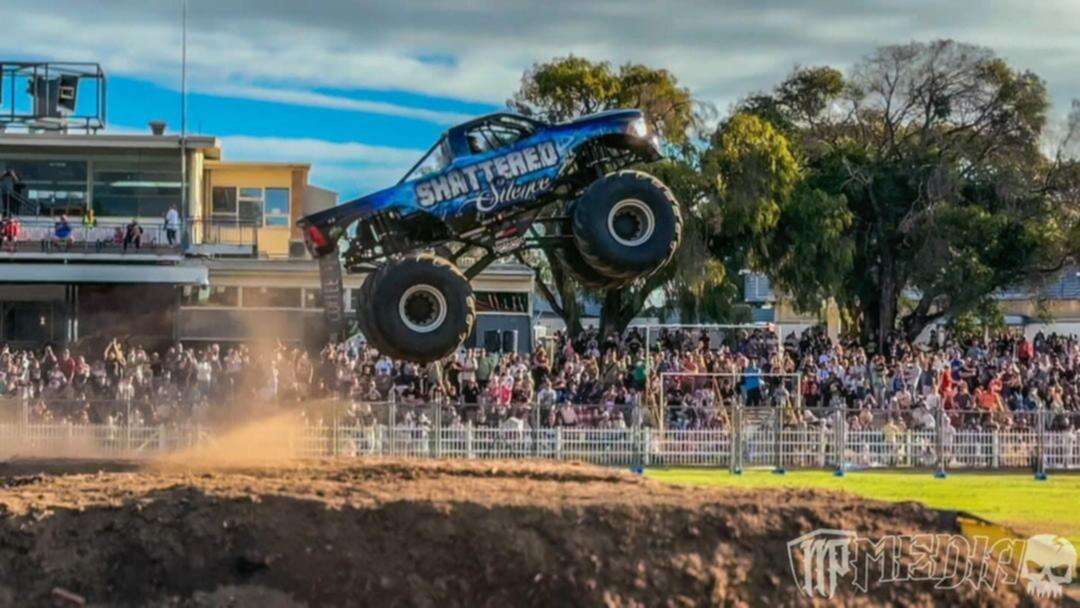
x=180 y=274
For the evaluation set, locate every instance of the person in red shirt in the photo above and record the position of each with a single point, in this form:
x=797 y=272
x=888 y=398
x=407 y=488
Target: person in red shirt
x=68 y=365
x=1025 y=351
x=9 y=232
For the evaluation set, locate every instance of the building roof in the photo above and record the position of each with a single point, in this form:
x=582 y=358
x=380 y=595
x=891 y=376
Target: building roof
x=253 y=164
x=184 y=273
x=1066 y=287
x=145 y=141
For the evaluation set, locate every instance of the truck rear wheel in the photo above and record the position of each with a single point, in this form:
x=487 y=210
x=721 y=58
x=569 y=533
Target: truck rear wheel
x=420 y=308
x=627 y=224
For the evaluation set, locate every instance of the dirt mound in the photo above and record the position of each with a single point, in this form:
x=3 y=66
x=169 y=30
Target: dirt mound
x=420 y=534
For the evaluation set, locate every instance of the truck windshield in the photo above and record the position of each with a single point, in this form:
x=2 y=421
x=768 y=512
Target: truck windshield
x=436 y=159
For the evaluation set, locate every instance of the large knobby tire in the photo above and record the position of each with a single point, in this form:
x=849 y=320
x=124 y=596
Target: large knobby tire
x=420 y=308
x=371 y=332
x=576 y=265
x=627 y=224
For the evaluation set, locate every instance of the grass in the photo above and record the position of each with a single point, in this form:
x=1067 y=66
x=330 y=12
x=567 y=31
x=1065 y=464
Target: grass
x=1013 y=499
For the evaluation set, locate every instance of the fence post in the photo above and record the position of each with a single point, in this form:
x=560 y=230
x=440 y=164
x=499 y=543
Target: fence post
x=469 y=441
x=1040 y=445
x=646 y=442
x=737 y=438
x=536 y=431
x=823 y=449
x=558 y=443
x=334 y=429
x=436 y=428
x=391 y=422
x=995 y=449
x=779 y=443
x=841 y=440
x=127 y=426
x=939 y=442
x=163 y=443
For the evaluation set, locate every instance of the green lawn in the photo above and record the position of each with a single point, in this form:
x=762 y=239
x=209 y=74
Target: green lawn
x=1012 y=499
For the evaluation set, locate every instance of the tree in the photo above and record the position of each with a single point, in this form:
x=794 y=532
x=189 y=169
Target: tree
x=567 y=87
x=925 y=189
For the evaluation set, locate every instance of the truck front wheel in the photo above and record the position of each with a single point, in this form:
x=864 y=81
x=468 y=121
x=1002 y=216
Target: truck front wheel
x=421 y=308
x=627 y=224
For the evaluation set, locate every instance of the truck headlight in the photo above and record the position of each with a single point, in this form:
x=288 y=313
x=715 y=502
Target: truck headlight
x=638 y=128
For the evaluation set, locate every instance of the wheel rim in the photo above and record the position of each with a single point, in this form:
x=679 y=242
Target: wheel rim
x=631 y=222
x=422 y=308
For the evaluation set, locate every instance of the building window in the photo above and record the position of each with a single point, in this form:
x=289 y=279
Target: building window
x=47 y=187
x=277 y=207
x=313 y=298
x=501 y=301
x=272 y=297
x=224 y=202
x=251 y=204
x=144 y=186
x=212 y=295
x=27 y=321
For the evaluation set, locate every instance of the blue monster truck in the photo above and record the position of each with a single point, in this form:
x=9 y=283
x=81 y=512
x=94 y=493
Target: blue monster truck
x=495 y=187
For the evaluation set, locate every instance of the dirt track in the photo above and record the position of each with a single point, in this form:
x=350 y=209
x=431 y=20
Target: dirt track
x=425 y=534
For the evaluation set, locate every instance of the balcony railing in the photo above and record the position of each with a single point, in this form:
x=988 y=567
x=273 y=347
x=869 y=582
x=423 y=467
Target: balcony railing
x=40 y=235
x=223 y=232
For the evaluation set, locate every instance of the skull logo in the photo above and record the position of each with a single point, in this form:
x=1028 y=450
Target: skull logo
x=1049 y=563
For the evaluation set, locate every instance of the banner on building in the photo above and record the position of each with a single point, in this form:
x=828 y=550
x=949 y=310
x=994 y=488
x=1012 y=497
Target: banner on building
x=333 y=292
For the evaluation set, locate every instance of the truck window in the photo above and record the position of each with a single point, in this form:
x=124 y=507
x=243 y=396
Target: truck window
x=436 y=159
x=498 y=133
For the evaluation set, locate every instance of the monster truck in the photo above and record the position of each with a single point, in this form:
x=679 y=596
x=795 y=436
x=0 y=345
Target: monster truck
x=490 y=188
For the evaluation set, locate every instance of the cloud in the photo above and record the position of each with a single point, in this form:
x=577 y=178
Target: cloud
x=313 y=99
x=244 y=147
x=350 y=168
x=477 y=50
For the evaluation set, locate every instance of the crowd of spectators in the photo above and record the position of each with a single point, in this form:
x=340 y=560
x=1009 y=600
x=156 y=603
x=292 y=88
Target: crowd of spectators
x=589 y=381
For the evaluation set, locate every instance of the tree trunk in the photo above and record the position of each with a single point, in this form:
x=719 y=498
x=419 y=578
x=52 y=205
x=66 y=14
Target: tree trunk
x=609 y=312
x=888 y=294
x=568 y=295
x=561 y=295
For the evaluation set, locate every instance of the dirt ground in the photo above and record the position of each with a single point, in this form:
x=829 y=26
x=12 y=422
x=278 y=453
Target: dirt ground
x=408 y=533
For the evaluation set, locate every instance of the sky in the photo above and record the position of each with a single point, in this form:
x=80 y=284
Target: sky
x=360 y=89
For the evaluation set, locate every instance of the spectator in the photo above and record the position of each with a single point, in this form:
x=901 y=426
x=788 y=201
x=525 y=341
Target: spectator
x=62 y=233
x=172 y=224
x=8 y=182
x=9 y=232
x=133 y=235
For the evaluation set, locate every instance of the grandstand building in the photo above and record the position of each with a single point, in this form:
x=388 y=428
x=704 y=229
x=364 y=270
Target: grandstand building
x=236 y=269
x=230 y=266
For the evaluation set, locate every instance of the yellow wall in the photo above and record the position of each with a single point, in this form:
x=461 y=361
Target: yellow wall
x=273 y=241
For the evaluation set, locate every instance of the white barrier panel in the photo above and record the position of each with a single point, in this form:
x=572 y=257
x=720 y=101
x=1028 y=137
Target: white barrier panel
x=800 y=447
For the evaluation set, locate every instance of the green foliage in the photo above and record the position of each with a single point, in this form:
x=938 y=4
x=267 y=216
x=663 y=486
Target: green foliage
x=567 y=87
x=982 y=320
x=922 y=175
x=570 y=86
x=919 y=174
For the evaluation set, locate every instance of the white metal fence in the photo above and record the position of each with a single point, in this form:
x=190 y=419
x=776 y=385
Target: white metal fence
x=752 y=446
